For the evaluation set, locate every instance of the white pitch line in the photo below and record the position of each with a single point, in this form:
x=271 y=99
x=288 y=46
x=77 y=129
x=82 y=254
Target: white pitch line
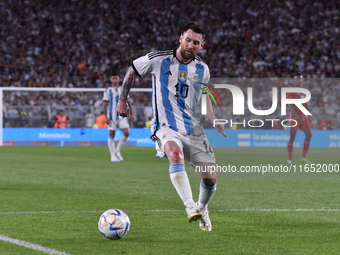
x=173 y=210
x=33 y=246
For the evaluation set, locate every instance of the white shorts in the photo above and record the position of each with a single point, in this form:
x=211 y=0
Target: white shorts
x=195 y=148
x=120 y=123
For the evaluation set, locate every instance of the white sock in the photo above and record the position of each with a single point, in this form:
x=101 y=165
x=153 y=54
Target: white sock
x=111 y=143
x=180 y=180
x=206 y=193
x=121 y=143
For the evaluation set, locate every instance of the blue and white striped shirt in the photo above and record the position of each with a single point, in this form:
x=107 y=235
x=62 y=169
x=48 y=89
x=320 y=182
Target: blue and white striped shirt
x=111 y=95
x=176 y=90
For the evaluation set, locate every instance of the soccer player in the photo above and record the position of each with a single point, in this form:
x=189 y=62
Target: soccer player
x=110 y=99
x=176 y=131
x=303 y=124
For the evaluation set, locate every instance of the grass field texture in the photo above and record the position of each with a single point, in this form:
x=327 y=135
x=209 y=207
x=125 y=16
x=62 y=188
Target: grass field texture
x=54 y=196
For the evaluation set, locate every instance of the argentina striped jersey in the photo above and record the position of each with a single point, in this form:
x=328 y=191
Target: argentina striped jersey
x=111 y=95
x=176 y=90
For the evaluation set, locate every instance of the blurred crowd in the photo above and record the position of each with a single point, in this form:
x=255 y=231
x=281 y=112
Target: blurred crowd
x=79 y=44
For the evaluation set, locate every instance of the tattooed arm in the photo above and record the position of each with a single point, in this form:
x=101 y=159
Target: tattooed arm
x=122 y=107
x=127 y=83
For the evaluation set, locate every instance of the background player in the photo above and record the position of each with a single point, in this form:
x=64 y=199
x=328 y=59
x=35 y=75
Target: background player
x=175 y=127
x=110 y=98
x=303 y=123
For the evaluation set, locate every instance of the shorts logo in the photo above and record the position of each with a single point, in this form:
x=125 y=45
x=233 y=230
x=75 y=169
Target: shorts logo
x=164 y=136
x=182 y=75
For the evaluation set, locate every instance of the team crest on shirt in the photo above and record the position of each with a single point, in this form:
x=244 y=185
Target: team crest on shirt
x=182 y=75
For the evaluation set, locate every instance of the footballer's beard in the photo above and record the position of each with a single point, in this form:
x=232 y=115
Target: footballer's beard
x=186 y=55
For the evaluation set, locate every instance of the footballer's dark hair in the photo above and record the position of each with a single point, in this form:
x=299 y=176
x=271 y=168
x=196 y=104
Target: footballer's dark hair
x=194 y=26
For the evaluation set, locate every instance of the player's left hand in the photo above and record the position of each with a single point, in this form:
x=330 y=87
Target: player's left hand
x=123 y=109
x=220 y=129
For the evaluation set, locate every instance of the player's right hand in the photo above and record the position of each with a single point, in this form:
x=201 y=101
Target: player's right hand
x=123 y=109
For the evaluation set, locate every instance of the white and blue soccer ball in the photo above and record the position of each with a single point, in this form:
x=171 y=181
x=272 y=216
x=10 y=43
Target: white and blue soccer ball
x=114 y=224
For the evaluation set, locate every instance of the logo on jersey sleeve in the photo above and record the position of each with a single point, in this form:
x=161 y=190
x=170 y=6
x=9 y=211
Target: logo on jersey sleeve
x=182 y=75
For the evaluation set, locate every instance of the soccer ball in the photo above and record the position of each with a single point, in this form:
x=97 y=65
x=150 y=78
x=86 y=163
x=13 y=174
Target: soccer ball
x=114 y=224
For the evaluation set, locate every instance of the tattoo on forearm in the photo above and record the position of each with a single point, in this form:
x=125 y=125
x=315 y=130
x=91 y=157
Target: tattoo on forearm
x=127 y=83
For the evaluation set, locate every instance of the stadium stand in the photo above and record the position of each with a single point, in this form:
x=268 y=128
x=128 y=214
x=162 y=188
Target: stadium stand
x=81 y=43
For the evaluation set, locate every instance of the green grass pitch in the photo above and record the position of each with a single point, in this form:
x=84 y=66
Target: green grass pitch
x=54 y=196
